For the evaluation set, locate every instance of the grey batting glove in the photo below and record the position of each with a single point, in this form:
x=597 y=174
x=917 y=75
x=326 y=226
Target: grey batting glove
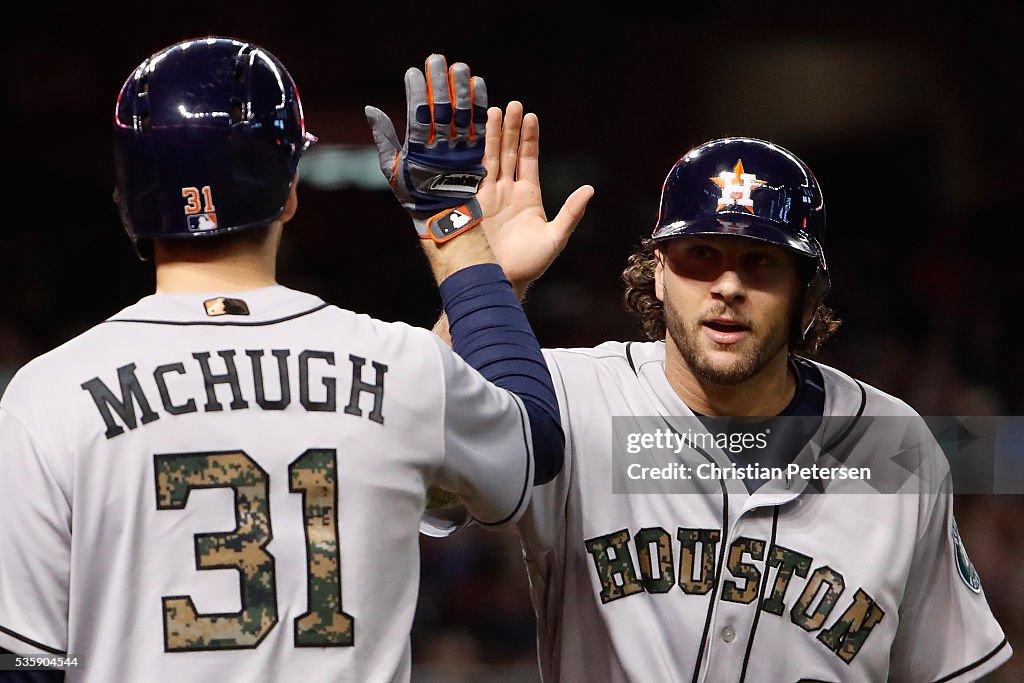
x=436 y=173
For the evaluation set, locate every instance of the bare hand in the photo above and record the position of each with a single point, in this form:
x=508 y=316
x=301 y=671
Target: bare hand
x=524 y=241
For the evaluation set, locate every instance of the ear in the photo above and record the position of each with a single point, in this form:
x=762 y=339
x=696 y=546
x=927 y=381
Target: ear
x=813 y=296
x=292 y=205
x=807 y=319
x=659 y=275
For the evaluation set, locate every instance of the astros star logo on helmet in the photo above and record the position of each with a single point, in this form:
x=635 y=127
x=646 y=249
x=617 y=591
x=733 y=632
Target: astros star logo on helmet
x=736 y=187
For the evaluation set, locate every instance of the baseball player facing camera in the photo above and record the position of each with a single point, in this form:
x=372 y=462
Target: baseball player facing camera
x=224 y=481
x=727 y=579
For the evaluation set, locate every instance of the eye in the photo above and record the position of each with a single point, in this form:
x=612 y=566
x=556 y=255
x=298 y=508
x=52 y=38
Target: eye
x=761 y=258
x=701 y=251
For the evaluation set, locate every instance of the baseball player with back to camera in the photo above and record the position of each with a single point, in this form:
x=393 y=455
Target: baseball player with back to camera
x=747 y=581
x=225 y=480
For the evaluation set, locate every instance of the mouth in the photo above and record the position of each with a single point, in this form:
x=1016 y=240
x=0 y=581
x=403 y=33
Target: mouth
x=724 y=330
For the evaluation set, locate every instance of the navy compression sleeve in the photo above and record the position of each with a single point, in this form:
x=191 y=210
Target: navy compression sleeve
x=490 y=331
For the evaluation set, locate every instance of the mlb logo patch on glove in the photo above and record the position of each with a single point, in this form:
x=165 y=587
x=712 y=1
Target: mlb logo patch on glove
x=452 y=222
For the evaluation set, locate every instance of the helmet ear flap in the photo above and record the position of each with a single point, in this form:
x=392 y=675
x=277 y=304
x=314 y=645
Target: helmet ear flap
x=815 y=291
x=141 y=248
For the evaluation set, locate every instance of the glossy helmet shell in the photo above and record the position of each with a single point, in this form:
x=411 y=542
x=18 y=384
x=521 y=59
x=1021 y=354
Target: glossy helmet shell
x=207 y=138
x=748 y=188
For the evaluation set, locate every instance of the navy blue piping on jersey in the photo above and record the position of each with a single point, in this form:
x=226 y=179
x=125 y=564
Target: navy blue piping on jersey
x=721 y=554
x=522 y=492
x=29 y=641
x=490 y=331
x=629 y=359
x=223 y=323
x=760 y=598
x=856 y=418
x=721 y=559
x=975 y=665
x=724 y=537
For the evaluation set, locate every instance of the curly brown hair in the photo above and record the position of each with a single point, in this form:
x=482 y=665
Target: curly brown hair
x=640 y=299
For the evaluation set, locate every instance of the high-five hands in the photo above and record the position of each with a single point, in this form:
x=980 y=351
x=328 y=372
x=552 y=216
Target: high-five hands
x=435 y=174
x=462 y=162
x=524 y=242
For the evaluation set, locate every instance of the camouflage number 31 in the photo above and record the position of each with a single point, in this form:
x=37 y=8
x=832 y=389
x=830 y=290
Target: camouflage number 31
x=313 y=474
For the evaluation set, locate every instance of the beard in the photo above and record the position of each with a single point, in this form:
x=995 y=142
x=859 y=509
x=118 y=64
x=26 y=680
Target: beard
x=753 y=353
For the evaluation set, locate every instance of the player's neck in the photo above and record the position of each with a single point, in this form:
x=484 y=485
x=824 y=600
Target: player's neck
x=190 y=267
x=766 y=393
x=180 y=277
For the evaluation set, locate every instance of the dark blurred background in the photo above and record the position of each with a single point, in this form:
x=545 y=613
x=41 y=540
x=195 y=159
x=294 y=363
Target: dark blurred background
x=903 y=110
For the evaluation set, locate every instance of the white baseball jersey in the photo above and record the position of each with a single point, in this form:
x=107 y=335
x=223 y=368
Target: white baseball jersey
x=211 y=488
x=776 y=587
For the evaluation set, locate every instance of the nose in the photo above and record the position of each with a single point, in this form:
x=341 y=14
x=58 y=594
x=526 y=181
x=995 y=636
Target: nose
x=728 y=287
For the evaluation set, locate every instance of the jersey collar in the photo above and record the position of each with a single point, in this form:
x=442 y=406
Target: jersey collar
x=649 y=362
x=262 y=306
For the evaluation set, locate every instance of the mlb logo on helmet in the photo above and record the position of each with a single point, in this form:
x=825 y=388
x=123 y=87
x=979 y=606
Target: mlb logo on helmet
x=202 y=222
x=200 y=213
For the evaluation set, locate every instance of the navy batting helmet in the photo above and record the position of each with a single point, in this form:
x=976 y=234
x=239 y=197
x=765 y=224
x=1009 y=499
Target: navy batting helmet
x=749 y=188
x=207 y=138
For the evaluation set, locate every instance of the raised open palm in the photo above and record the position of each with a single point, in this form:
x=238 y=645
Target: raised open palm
x=523 y=240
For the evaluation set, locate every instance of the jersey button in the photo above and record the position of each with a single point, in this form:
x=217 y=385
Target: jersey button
x=728 y=634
